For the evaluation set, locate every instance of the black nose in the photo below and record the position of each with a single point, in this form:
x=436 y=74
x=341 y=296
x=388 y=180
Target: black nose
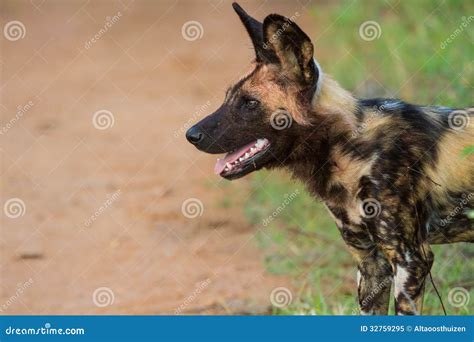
x=194 y=135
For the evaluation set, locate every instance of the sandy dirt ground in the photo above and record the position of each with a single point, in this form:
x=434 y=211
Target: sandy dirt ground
x=95 y=168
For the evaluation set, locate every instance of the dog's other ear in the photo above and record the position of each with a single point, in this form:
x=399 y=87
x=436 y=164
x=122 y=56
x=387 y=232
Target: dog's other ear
x=293 y=48
x=255 y=31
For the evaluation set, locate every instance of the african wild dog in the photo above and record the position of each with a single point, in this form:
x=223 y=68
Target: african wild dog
x=390 y=173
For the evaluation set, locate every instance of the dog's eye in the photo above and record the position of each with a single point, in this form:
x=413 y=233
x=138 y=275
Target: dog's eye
x=251 y=103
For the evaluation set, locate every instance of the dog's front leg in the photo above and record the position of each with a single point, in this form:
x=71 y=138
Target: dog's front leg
x=374 y=280
x=374 y=275
x=411 y=264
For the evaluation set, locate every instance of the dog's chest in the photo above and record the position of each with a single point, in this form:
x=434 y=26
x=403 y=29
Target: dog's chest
x=349 y=220
x=356 y=207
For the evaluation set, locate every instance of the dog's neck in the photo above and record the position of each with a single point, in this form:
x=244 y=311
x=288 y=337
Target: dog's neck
x=330 y=99
x=316 y=159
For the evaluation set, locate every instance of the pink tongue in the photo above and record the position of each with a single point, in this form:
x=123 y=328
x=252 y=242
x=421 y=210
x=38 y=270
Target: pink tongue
x=231 y=157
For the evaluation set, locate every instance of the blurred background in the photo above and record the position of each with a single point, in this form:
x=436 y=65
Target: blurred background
x=106 y=209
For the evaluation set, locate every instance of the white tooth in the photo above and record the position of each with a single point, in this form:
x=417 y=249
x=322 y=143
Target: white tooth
x=247 y=155
x=253 y=149
x=226 y=169
x=228 y=165
x=241 y=159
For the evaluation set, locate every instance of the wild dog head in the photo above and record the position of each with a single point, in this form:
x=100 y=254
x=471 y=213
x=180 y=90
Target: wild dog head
x=260 y=121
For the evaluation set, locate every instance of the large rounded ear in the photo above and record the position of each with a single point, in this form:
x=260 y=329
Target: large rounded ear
x=292 y=47
x=255 y=31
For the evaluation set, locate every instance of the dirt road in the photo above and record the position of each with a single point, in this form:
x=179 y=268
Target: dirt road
x=95 y=99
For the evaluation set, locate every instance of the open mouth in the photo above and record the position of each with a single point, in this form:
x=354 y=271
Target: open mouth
x=241 y=161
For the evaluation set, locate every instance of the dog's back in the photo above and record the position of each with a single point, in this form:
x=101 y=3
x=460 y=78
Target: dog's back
x=427 y=144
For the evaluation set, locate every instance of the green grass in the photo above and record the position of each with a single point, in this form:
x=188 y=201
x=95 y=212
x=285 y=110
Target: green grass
x=407 y=61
